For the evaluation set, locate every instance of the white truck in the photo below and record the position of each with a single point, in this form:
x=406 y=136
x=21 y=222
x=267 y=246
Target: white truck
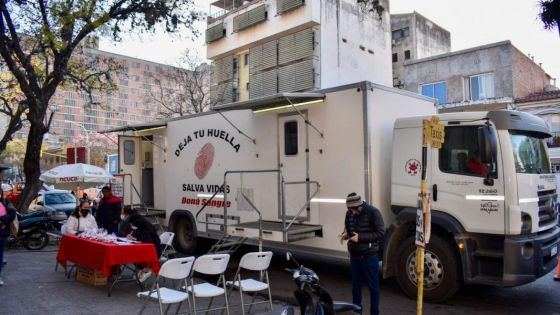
x=278 y=169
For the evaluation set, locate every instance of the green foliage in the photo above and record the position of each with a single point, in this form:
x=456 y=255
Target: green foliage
x=550 y=14
x=40 y=41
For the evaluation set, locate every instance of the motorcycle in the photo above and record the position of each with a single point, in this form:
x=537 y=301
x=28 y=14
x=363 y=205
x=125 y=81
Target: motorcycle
x=33 y=228
x=311 y=297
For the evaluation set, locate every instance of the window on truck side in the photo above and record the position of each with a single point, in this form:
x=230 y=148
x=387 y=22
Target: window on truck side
x=291 y=138
x=129 y=152
x=459 y=152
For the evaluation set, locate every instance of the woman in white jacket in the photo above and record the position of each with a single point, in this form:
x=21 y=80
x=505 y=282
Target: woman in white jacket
x=81 y=219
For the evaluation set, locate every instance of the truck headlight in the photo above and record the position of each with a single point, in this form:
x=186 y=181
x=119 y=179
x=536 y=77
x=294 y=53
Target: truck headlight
x=526 y=223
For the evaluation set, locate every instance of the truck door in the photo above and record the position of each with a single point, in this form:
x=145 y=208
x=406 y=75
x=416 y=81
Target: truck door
x=294 y=163
x=130 y=162
x=459 y=183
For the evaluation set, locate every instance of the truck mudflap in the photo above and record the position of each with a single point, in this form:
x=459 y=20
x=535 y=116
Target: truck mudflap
x=529 y=258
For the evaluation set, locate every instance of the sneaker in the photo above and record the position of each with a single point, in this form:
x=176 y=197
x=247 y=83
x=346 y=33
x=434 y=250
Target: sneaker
x=1 y=282
x=144 y=275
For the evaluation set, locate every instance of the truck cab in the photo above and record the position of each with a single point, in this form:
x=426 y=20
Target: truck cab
x=493 y=202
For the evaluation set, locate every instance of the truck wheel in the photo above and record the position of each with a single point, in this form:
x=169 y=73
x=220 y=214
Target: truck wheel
x=185 y=234
x=442 y=273
x=36 y=240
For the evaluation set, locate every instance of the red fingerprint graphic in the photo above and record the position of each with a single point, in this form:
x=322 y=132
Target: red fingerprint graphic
x=204 y=160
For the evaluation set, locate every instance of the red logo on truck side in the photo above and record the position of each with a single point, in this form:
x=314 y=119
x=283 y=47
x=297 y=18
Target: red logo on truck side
x=204 y=160
x=413 y=166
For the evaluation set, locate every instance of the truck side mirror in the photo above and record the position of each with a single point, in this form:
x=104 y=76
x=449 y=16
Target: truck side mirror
x=486 y=144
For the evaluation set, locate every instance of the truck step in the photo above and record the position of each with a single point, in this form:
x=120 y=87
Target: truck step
x=272 y=231
x=488 y=253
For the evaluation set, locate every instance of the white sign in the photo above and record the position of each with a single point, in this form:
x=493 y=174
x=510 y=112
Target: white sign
x=117 y=186
x=420 y=228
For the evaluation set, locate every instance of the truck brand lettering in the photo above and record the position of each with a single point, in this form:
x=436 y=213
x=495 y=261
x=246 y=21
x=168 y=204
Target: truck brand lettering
x=214 y=133
x=488 y=191
x=489 y=207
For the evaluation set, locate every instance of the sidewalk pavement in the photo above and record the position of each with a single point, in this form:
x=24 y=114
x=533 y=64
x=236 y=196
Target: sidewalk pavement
x=33 y=287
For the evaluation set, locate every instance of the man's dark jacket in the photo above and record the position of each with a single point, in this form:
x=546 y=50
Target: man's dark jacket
x=368 y=223
x=109 y=213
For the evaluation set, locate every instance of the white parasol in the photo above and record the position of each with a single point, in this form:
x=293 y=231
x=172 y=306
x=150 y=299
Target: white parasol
x=70 y=176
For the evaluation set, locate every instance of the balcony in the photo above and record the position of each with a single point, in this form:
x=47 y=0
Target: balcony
x=285 y=6
x=249 y=18
x=221 y=8
x=215 y=32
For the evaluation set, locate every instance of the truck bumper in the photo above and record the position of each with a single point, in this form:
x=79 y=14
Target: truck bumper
x=528 y=258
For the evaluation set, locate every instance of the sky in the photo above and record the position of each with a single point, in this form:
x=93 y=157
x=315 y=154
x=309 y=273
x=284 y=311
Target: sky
x=471 y=23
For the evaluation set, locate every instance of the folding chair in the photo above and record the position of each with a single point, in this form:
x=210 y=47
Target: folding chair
x=166 y=240
x=176 y=269
x=214 y=264
x=258 y=261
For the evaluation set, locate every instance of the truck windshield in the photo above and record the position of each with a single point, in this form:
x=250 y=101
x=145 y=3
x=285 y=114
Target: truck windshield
x=529 y=153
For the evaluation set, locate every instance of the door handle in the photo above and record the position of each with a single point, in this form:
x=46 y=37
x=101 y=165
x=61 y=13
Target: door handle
x=434 y=192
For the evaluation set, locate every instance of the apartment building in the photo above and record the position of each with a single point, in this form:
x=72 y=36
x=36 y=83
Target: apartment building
x=139 y=85
x=264 y=47
x=413 y=37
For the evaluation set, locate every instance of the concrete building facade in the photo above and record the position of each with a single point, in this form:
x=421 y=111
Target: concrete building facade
x=415 y=37
x=264 y=47
x=132 y=102
x=479 y=78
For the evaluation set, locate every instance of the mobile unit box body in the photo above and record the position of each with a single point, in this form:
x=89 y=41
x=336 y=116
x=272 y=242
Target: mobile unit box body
x=294 y=164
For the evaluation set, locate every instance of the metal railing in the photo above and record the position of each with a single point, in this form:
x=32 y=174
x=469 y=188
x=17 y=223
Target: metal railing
x=286 y=228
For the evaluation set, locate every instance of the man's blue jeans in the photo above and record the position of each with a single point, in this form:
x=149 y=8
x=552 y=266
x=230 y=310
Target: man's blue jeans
x=366 y=267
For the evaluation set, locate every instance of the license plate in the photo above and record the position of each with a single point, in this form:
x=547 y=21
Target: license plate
x=554 y=250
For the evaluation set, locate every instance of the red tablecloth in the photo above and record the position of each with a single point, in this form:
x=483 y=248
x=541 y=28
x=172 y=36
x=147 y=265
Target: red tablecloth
x=101 y=256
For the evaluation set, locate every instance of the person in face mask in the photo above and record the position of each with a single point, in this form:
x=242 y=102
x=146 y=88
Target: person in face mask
x=81 y=219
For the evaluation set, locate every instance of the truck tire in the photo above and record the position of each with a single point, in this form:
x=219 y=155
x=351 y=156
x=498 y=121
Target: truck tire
x=185 y=231
x=442 y=273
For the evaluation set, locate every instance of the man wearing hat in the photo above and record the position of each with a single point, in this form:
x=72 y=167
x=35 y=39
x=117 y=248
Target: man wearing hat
x=364 y=229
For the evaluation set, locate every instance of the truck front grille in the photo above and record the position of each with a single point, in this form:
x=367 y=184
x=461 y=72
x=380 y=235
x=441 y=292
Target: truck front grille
x=548 y=211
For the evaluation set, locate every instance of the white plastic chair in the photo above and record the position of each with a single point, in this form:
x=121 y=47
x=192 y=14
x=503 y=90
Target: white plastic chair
x=166 y=240
x=176 y=269
x=214 y=264
x=259 y=261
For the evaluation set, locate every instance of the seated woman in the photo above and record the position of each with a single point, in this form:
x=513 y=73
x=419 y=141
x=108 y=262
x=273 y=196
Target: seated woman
x=81 y=219
x=143 y=231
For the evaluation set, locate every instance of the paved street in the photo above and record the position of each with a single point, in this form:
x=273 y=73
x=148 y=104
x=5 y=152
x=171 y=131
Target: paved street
x=32 y=287
x=540 y=297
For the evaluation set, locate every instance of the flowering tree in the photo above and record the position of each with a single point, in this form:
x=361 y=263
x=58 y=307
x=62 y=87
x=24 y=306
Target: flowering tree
x=99 y=145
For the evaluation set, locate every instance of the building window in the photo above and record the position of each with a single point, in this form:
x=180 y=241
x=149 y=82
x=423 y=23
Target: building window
x=136 y=64
x=402 y=33
x=395 y=57
x=123 y=95
x=69 y=102
x=69 y=117
x=246 y=61
x=55 y=123
x=407 y=55
x=481 y=86
x=436 y=90
x=291 y=138
x=124 y=82
x=136 y=78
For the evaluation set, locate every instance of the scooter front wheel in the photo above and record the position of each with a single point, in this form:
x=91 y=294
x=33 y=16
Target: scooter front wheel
x=36 y=240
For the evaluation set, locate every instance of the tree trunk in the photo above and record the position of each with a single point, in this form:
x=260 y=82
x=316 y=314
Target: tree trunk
x=32 y=166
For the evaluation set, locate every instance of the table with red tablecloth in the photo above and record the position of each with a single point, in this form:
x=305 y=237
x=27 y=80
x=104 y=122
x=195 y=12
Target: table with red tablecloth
x=102 y=256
